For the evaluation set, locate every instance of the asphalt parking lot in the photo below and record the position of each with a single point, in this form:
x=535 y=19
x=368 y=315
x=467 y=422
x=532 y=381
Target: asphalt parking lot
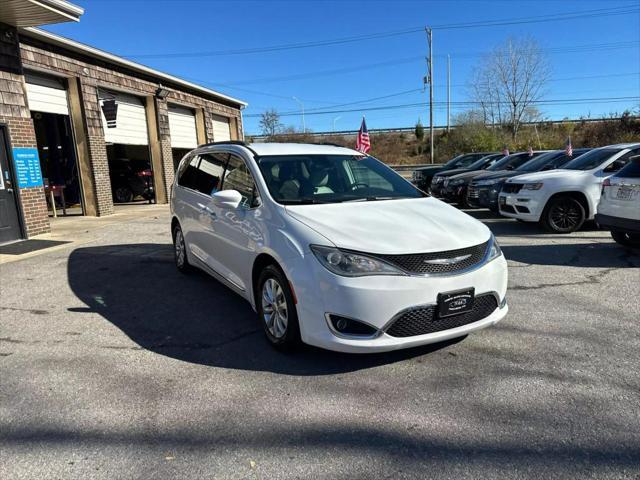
x=113 y=365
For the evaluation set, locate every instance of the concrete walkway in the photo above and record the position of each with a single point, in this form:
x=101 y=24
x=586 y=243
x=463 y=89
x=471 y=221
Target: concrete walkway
x=77 y=230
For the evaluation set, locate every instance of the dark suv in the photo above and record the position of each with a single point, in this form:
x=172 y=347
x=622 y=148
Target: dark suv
x=130 y=179
x=483 y=192
x=422 y=176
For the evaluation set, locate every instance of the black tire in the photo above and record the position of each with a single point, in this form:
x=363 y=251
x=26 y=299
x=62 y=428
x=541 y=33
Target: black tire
x=286 y=339
x=122 y=194
x=627 y=239
x=563 y=214
x=180 y=251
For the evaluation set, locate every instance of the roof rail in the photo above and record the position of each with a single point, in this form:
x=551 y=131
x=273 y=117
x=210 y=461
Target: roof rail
x=231 y=142
x=329 y=144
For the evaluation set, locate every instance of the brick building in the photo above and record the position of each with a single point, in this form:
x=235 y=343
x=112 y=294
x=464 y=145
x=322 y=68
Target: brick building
x=87 y=129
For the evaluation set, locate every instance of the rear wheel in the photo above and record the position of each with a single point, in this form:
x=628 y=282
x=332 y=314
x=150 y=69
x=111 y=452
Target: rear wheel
x=627 y=239
x=123 y=194
x=276 y=309
x=563 y=215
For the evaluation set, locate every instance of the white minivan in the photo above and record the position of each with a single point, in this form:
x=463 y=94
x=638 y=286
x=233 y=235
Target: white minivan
x=333 y=248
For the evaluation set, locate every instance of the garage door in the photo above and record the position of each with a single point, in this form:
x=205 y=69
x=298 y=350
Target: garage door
x=130 y=119
x=46 y=94
x=182 y=124
x=221 y=131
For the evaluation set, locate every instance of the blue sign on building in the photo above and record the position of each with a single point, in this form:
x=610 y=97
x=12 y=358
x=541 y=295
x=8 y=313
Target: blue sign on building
x=27 y=165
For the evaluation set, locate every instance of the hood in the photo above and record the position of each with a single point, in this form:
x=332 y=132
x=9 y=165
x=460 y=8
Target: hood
x=504 y=174
x=472 y=175
x=550 y=175
x=416 y=225
x=430 y=169
x=451 y=173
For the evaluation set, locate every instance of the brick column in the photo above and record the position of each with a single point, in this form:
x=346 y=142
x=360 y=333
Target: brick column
x=97 y=148
x=164 y=138
x=14 y=112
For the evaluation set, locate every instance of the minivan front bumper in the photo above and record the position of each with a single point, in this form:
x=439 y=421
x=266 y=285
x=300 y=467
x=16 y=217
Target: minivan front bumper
x=379 y=300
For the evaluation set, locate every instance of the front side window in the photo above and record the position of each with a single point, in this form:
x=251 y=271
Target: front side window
x=203 y=173
x=298 y=179
x=238 y=177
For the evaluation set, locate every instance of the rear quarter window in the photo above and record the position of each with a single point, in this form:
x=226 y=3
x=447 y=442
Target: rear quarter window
x=632 y=170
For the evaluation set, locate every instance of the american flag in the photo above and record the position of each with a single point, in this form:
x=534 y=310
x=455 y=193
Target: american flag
x=530 y=151
x=505 y=151
x=363 y=143
x=568 y=148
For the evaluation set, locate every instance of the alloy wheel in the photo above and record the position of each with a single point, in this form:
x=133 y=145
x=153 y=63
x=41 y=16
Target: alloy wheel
x=274 y=308
x=180 y=249
x=565 y=216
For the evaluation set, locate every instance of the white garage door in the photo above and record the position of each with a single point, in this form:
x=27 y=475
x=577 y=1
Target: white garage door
x=182 y=124
x=221 y=131
x=130 y=122
x=46 y=94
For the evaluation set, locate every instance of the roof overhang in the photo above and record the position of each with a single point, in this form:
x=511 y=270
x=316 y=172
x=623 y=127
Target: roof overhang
x=83 y=49
x=30 y=13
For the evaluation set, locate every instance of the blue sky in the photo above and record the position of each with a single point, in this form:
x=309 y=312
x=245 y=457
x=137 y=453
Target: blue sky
x=593 y=57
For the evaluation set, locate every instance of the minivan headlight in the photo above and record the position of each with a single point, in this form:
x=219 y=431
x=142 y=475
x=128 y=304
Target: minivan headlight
x=494 y=249
x=350 y=264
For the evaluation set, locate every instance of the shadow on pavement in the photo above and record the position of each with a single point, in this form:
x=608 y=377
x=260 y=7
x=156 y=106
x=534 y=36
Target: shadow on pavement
x=194 y=318
x=589 y=255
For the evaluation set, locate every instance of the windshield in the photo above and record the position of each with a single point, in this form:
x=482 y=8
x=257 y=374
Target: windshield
x=537 y=163
x=512 y=162
x=478 y=164
x=306 y=179
x=592 y=159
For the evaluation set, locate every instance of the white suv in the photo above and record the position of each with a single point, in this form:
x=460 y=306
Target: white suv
x=561 y=200
x=619 y=207
x=334 y=248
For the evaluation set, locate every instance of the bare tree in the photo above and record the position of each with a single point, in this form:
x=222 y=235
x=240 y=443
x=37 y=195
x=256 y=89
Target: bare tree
x=509 y=82
x=270 y=123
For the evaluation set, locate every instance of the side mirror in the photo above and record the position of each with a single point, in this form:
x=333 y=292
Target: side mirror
x=227 y=199
x=509 y=167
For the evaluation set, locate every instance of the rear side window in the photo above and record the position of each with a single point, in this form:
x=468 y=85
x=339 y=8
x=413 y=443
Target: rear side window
x=632 y=170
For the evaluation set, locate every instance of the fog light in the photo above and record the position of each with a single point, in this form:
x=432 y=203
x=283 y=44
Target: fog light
x=348 y=326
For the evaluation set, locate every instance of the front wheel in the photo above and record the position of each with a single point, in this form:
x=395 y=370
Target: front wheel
x=180 y=251
x=277 y=310
x=627 y=239
x=563 y=215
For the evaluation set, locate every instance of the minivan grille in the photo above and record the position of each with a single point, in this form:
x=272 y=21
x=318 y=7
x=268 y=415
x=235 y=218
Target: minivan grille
x=423 y=320
x=436 y=262
x=512 y=187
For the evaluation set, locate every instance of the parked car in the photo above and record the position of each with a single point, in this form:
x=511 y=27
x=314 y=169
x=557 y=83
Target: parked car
x=561 y=200
x=422 y=176
x=455 y=188
x=334 y=248
x=483 y=193
x=130 y=179
x=619 y=206
x=480 y=164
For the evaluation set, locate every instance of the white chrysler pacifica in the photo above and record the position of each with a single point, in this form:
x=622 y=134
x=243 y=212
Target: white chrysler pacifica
x=333 y=248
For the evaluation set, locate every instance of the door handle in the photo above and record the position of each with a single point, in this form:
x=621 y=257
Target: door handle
x=209 y=212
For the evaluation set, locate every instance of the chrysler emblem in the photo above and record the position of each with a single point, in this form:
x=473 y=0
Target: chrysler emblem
x=447 y=261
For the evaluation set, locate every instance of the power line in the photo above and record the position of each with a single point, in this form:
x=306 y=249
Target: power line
x=601 y=12
x=406 y=60
x=568 y=101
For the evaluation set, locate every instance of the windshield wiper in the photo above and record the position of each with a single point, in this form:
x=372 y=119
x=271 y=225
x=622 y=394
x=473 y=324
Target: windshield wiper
x=373 y=199
x=302 y=201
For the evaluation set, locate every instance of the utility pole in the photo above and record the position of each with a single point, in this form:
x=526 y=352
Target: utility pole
x=448 y=90
x=429 y=78
x=304 y=128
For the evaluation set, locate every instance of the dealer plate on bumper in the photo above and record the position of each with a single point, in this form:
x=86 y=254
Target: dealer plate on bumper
x=455 y=303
